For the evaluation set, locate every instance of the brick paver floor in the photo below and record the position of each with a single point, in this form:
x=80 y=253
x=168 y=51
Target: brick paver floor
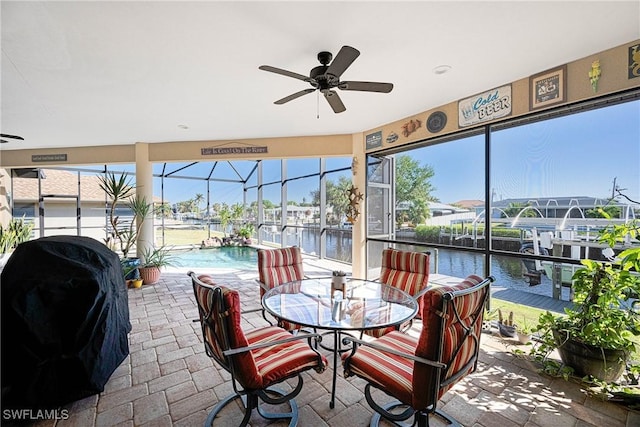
x=167 y=380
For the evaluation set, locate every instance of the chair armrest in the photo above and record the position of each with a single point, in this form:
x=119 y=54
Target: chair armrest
x=262 y=285
x=384 y=349
x=272 y=343
x=422 y=292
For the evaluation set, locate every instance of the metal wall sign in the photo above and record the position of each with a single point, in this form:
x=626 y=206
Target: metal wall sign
x=484 y=107
x=233 y=150
x=373 y=140
x=48 y=158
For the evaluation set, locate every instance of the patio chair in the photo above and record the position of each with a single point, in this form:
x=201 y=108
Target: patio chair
x=408 y=271
x=418 y=371
x=278 y=266
x=257 y=359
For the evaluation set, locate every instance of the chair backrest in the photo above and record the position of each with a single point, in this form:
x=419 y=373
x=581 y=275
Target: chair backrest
x=219 y=309
x=281 y=265
x=452 y=325
x=408 y=271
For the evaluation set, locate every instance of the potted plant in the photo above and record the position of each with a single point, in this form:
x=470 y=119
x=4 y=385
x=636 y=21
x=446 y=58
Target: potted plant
x=338 y=282
x=506 y=327
x=153 y=260
x=245 y=232
x=120 y=191
x=16 y=232
x=524 y=330
x=134 y=273
x=597 y=335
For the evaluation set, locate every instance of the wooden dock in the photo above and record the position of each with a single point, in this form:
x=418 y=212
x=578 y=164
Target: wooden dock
x=531 y=300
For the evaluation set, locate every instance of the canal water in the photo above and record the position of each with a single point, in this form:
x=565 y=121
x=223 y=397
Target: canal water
x=507 y=271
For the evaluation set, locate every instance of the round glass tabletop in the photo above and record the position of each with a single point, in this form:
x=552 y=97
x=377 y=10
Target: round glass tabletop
x=358 y=304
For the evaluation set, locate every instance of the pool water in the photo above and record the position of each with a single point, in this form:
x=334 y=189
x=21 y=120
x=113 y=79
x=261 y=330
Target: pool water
x=234 y=257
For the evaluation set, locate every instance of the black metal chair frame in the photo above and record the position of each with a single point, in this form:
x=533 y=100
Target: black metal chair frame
x=250 y=398
x=421 y=417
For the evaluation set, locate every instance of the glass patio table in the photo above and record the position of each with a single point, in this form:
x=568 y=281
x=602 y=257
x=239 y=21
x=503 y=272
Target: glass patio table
x=358 y=305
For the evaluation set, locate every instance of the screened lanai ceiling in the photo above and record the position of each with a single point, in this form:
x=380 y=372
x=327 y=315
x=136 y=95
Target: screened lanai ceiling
x=91 y=73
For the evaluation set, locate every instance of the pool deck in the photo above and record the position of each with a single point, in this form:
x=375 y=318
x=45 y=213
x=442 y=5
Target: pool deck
x=167 y=380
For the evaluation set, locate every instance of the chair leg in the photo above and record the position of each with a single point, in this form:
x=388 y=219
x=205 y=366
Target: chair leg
x=251 y=401
x=221 y=405
x=420 y=419
x=293 y=415
x=448 y=418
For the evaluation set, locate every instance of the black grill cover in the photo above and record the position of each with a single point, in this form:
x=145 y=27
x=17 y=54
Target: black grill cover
x=65 y=320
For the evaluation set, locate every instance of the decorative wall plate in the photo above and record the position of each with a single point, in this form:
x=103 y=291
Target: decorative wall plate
x=436 y=121
x=392 y=137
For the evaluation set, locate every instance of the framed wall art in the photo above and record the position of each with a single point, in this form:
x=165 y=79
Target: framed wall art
x=548 y=88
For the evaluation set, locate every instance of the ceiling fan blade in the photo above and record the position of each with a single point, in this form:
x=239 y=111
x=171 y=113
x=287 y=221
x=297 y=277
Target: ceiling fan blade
x=367 y=86
x=284 y=72
x=4 y=135
x=334 y=100
x=294 y=96
x=342 y=61
x=3 y=141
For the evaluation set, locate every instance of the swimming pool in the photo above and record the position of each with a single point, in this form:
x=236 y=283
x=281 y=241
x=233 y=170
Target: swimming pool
x=234 y=257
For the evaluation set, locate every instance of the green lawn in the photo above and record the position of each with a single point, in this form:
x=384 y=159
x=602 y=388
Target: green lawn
x=522 y=314
x=183 y=236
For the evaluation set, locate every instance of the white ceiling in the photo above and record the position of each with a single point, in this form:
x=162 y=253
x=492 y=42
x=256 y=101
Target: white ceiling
x=97 y=73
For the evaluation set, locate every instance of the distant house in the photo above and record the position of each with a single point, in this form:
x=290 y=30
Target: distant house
x=469 y=204
x=435 y=208
x=296 y=213
x=63 y=193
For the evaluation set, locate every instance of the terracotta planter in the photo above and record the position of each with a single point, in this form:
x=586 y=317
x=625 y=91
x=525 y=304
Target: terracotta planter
x=149 y=275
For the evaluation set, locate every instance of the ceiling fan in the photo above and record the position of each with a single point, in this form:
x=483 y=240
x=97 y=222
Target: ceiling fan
x=4 y=141
x=326 y=77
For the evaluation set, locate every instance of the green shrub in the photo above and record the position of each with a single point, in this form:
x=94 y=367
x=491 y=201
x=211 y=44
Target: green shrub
x=17 y=231
x=427 y=233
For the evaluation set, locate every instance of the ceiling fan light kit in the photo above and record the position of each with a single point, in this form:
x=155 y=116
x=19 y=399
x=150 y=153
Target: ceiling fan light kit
x=326 y=77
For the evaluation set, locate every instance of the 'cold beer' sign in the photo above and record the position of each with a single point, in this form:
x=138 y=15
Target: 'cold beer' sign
x=486 y=106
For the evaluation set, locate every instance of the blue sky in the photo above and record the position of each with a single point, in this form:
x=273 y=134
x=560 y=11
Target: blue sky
x=577 y=155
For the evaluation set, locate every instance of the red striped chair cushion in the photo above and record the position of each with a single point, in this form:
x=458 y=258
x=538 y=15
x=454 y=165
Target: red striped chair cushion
x=408 y=271
x=277 y=266
x=393 y=374
x=415 y=385
x=259 y=368
x=451 y=339
x=243 y=363
x=283 y=360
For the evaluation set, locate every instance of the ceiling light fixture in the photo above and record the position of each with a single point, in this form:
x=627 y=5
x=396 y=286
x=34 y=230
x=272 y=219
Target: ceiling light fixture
x=441 y=69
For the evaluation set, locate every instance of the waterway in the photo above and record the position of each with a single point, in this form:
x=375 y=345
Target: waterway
x=507 y=271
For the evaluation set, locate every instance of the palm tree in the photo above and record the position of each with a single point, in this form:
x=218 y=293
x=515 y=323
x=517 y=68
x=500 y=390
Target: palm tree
x=225 y=216
x=198 y=199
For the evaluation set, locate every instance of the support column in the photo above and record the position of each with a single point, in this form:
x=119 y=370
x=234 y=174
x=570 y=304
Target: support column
x=359 y=180
x=5 y=194
x=144 y=188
